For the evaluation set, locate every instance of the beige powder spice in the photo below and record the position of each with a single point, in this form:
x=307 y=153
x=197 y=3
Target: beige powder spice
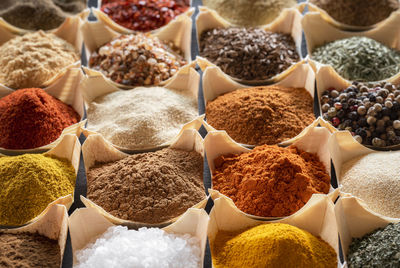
x=32 y=59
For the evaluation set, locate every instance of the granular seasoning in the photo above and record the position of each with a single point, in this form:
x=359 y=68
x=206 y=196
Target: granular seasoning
x=358 y=12
x=270 y=181
x=144 y=16
x=34 y=58
x=249 y=54
x=31 y=118
x=262 y=115
x=150 y=187
x=374 y=178
x=29 y=250
x=137 y=60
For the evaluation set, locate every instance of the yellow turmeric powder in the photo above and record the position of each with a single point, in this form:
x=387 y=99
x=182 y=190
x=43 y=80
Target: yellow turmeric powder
x=29 y=182
x=271 y=245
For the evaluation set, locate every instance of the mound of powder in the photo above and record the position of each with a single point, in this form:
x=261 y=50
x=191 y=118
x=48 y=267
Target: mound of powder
x=142 y=117
x=32 y=59
x=151 y=187
x=39 y=14
x=147 y=247
x=31 y=118
x=262 y=115
x=374 y=178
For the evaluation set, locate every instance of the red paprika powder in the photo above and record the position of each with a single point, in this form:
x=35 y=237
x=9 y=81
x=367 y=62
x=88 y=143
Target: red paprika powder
x=144 y=16
x=31 y=118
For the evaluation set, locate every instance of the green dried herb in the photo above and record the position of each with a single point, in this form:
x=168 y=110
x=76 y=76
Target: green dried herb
x=380 y=248
x=359 y=59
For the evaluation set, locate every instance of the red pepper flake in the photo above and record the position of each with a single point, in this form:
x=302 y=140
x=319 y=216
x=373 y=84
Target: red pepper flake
x=144 y=16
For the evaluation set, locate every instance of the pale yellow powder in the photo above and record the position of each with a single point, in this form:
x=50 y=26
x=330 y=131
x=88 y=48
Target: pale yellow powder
x=30 y=60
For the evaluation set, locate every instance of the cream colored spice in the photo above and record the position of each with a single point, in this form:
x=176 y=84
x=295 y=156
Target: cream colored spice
x=32 y=59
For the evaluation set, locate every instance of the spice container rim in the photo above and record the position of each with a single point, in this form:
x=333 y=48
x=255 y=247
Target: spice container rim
x=188 y=139
x=98 y=33
x=289 y=20
x=65 y=88
x=194 y=221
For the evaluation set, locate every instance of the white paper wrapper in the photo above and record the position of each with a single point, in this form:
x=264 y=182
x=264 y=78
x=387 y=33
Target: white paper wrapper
x=69 y=31
x=86 y=225
x=318 y=32
x=98 y=33
x=96 y=149
x=354 y=220
x=53 y=224
x=313 y=139
x=217 y=83
x=316 y=217
x=288 y=22
x=95 y=85
x=68 y=148
x=64 y=87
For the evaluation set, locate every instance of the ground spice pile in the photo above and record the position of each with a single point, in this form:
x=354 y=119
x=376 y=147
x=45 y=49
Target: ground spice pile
x=137 y=60
x=34 y=58
x=29 y=250
x=39 y=14
x=144 y=16
x=31 y=118
x=270 y=181
x=358 y=12
x=272 y=245
x=249 y=13
x=374 y=178
x=29 y=182
x=150 y=187
x=248 y=54
x=262 y=115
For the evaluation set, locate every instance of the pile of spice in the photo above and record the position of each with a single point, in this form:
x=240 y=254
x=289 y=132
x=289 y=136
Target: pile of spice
x=249 y=13
x=374 y=178
x=358 y=12
x=29 y=182
x=39 y=14
x=271 y=245
x=31 y=118
x=137 y=60
x=142 y=117
x=144 y=16
x=146 y=247
x=34 y=58
x=150 y=187
x=359 y=59
x=371 y=112
x=379 y=248
x=29 y=250
x=249 y=54
x=262 y=115
x=270 y=181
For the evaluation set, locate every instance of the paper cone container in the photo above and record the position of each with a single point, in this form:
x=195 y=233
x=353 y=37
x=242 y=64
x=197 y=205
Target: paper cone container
x=98 y=33
x=288 y=22
x=53 y=224
x=97 y=150
x=95 y=85
x=318 y=32
x=65 y=88
x=225 y=217
x=86 y=225
x=313 y=139
x=354 y=220
x=217 y=83
x=69 y=31
x=68 y=148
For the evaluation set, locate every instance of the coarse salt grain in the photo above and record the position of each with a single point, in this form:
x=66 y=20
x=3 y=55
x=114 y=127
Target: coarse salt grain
x=145 y=248
x=375 y=178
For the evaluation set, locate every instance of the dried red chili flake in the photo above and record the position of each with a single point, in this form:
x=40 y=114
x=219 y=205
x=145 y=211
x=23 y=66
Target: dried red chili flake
x=144 y=16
